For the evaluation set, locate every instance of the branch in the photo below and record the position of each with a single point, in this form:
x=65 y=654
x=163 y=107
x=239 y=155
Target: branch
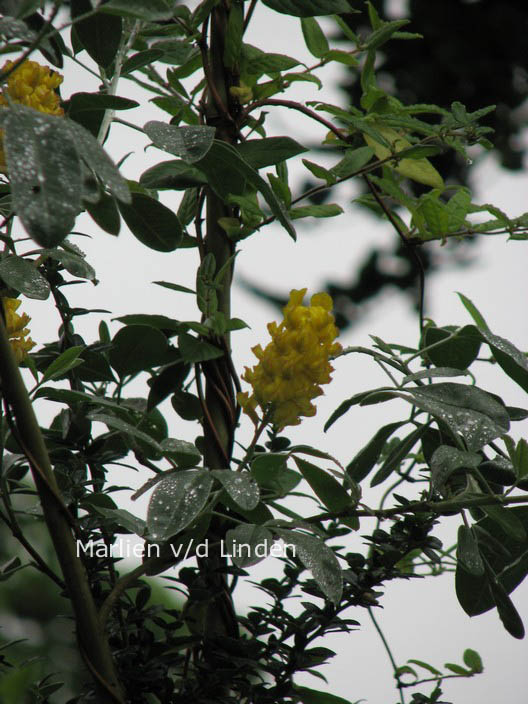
x=91 y=639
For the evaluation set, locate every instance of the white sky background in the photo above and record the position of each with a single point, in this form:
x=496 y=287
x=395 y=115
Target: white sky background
x=421 y=620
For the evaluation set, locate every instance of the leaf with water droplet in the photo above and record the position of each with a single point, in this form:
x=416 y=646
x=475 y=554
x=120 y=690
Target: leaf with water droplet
x=45 y=173
x=468 y=553
x=467 y=410
x=98 y=160
x=248 y=543
x=446 y=460
x=189 y=143
x=176 y=501
x=240 y=486
x=22 y=275
x=317 y=557
x=185 y=454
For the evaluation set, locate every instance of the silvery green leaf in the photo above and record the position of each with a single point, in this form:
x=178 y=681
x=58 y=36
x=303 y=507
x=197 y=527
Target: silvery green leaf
x=240 y=486
x=317 y=557
x=176 y=502
x=45 y=173
x=189 y=143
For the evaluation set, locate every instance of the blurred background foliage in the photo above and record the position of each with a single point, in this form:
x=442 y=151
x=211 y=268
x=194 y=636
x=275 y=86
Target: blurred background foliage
x=473 y=51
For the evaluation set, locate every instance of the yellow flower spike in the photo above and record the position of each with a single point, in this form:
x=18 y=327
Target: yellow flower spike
x=33 y=85
x=295 y=363
x=17 y=331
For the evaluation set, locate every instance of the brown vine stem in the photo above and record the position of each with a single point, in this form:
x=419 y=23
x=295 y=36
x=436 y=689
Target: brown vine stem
x=292 y=105
x=92 y=641
x=437 y=507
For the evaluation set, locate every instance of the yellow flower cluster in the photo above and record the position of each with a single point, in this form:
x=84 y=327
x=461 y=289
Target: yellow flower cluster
x=32 y=85
x=16 y=328
x=295 y=363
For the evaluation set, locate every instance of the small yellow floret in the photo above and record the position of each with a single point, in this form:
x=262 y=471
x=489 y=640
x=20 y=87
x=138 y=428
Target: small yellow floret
x=16 y=328
x=294 y=365
x=32 y=85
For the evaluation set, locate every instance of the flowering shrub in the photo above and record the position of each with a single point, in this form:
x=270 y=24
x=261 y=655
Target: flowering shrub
x=226 y=497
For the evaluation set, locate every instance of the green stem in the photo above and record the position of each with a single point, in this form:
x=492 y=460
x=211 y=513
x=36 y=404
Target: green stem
x=92 y=642
x=388 y=651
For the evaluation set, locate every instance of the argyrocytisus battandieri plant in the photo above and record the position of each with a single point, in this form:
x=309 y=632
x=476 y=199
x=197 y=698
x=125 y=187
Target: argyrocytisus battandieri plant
x=221 y=502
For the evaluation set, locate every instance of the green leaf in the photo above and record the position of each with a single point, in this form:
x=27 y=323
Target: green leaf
x=227 y=173
x=141 y=59
x=473 y=660
x=458 y=352
x=185 y=454
x=353 y=161
x=397 y=455
x=176 y=502
x=99 y=35
x=152 y=223
x=313 y=696
x=22 y=275
x=366 y=458
x=433 y=373
x=507 y=612
x=98 y=160
x=160 y=322
x=383 y=33
x=248 y=544
x=435 y=213
x=468 y=553
x=194 y=350
x=314 y=37
x=511 y=360
x=256 y=62
x=475 y=314
x=420 y=170
x=269 y=151
x=64 y=363
x=425 y=665
x=175 y=174
x=240 y=486
x=308 y=8
x=174 y=287
x=327 y=210
x=446 y=460
x=105 y=214
x=467 y=410
x=127 y=429
x=189 y=143
x=123 y=518
x=327 y=489
x=457 y=669
x=320 y=172
x=137 y=348
x=508 y=521
x=344 y=407
x=505 y=557
x=149 y=10
x=319 y=559
x=88 y=109
x=270 y=471
x=45 y=173
x=74 y=263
